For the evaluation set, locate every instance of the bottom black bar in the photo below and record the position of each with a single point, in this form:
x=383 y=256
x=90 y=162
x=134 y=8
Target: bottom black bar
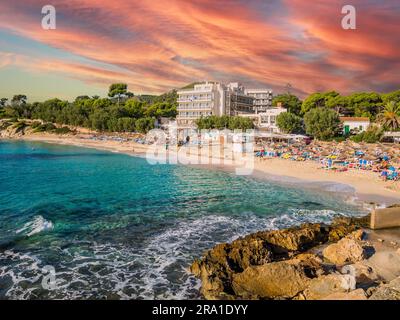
x=194 y=309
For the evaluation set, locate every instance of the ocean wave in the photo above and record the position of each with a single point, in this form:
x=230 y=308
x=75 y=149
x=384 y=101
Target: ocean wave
x=37 y=225
x=157 y=269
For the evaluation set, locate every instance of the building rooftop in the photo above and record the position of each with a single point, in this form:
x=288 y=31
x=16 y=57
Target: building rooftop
x=358 y=119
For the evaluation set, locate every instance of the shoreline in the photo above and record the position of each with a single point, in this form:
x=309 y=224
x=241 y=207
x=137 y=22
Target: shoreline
x=365 y=187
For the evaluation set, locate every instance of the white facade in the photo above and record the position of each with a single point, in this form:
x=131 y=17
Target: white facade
x=203 y=100
x=355 y=124
x=262 y=98
x=267 y=119
x=213 y=98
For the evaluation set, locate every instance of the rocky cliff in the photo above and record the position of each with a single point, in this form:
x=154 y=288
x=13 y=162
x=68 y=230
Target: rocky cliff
x=313 y=262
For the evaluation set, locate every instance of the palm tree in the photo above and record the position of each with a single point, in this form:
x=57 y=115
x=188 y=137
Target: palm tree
x=390 y=116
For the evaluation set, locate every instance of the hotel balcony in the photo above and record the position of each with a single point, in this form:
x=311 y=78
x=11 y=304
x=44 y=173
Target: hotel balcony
x=188 y=100
x=194 y=109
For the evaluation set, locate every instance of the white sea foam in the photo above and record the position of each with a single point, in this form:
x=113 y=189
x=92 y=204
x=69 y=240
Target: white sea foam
x=37 y=225
x=156 y=269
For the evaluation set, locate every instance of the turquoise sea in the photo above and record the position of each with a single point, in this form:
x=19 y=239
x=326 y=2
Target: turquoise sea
x=114 y=227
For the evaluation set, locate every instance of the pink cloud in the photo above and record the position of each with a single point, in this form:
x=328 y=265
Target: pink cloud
x=159 y=46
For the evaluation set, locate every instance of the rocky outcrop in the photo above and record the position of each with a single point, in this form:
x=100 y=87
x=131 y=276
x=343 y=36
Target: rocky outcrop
x=271 y=280
x=347 y=250
x=342 y=226
x=227 y=270
x=389 y=291
x=10 y=130
x=325 y=286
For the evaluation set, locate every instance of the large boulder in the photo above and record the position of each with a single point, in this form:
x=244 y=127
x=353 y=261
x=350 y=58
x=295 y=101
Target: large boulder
x=297 y=239
x=390 y=291
x=270 y=281
x=347 y=250
x=324 y=286
x=217 y=267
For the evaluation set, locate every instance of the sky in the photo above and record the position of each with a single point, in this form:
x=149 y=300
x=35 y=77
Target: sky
x=155 y=46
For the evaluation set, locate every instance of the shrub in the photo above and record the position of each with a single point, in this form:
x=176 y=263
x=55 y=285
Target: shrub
x=46 y=127
x=35 y=124
x=372 y=135
x=20 y=125
x=144 y=125
x=62 y=130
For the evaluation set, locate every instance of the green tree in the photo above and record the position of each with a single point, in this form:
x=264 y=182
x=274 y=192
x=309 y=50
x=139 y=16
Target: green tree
x=289 y=122
x=100 y=103
x=365 y=104
x=340 y=104
x=19 y=99
x=3 y=102
x=84 y=97
x=322 y=123
x=317 y=100
x=117 y=90
x=134 y=109
x=170 y=97
x=391 y=96
x=161 y=109
x=389 y=117
x=144 y=125
x=127 y=124
x=291 y=102
x=99 y=120
x=224 y=122
x=206 y=122
x=18 y=107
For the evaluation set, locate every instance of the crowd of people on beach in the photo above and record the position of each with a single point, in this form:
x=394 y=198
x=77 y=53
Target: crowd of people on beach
x=383 y=159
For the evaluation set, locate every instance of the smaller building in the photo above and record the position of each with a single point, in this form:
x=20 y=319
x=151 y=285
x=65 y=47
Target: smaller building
x=266 y=121
x=238 y=102
x=262 y=99
x=354 y=124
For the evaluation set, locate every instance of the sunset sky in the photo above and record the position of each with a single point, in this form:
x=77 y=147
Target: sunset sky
x=156 y=46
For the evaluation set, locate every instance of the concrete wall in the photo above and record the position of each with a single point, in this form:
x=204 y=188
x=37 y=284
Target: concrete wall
x=385 y=218
x=356 y=125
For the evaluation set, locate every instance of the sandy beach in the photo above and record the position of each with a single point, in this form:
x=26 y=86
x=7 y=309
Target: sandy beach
x=367 y=186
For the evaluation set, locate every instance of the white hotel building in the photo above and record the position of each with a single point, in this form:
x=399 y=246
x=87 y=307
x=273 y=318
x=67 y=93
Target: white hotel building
x=203 y=100
x=213 y=98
